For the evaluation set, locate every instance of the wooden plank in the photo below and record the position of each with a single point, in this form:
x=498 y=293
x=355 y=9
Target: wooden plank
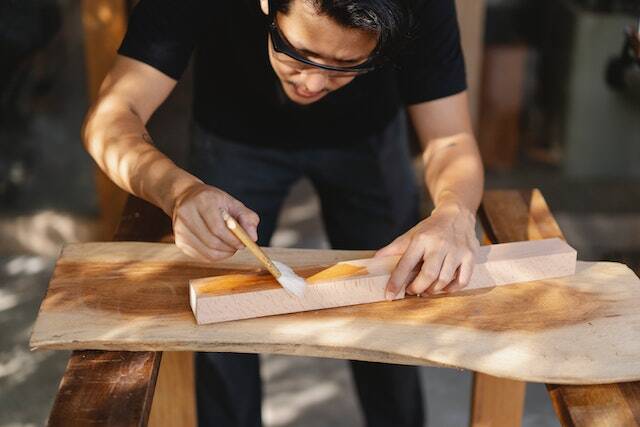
x=576 y=405
x=563 y=325
x=174 y=402
x=107 y=388
x=104 y=23
x=245 y=296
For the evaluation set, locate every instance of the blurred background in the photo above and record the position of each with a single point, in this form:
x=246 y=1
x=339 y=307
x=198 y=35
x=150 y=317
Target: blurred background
x=556 y=104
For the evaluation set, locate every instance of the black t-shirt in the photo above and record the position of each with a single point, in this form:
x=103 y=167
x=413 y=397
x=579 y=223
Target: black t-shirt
x=238 y=96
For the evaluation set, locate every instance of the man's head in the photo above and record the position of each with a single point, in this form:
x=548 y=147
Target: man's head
x=340 y=34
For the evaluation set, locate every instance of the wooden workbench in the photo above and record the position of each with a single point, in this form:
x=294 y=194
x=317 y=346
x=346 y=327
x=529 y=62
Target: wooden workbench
x=117 y=388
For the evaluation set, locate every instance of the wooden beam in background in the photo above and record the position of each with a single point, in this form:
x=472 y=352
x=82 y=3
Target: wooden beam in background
x=471 y=18
x=105 y=23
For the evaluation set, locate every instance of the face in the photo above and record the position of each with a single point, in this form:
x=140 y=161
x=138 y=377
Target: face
x=321 y=40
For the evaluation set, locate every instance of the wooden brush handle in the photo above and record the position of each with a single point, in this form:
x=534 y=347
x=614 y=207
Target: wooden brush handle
x=241 y=234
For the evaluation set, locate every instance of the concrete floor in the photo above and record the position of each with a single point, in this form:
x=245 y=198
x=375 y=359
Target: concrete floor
x=54 y=202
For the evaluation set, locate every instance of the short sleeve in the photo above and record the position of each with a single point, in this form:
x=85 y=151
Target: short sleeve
x=162 y=34
x=432 y=64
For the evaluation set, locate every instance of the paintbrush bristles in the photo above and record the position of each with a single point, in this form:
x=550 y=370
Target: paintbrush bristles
x=283 y=274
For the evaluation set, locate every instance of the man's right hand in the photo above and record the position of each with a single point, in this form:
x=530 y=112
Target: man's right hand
x=198 y=227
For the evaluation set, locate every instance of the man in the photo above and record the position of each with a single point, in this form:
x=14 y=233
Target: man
x=292 y=88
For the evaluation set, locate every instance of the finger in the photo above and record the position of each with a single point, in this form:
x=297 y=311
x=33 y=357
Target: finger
x=247 y=218
x=412 y=276
x=195 y=223
x=193 y=246
x=209 y=237
x=447 y=273
x=184 y=244
x=464 y=274
x=249 y=222
x=397 y=247
x=217 y=228
x=399 y=277
x=428 y=273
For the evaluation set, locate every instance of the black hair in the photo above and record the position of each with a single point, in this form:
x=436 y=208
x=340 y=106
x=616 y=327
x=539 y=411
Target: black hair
x=390 y=20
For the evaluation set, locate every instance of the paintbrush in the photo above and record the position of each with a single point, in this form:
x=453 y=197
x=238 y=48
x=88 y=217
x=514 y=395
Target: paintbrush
x=289 y=280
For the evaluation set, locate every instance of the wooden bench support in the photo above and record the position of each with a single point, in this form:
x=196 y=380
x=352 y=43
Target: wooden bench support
x=174 y=402
x=496 y=402
x=106 y=388
x=606 y=405
x=508 y=216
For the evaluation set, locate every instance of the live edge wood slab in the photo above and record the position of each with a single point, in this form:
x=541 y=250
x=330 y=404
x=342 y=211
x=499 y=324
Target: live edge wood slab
x=134 y=296
x=250 y=295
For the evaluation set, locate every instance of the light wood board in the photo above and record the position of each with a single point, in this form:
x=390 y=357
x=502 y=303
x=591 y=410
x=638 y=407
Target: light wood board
x=246 y=296
x=584 y=329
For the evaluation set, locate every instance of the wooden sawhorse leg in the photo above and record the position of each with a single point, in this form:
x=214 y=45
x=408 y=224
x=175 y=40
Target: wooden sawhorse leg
x=496 y=402
x=174 y=401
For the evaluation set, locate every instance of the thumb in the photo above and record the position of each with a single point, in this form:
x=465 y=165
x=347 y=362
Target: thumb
x=397 y=247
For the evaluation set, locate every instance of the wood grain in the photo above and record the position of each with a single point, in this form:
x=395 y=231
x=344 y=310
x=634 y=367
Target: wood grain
x=106 y=388
x=244 y=296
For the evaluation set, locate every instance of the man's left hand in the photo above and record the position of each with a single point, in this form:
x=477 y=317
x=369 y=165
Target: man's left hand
x=442 y=247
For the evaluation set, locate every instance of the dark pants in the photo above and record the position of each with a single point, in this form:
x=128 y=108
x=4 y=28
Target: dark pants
x=369 y=197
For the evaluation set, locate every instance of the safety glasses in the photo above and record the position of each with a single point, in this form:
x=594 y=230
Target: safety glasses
x=281 y=45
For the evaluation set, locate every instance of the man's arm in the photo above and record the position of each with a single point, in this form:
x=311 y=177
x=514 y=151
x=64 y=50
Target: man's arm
x=445 y=243
x=115 y=136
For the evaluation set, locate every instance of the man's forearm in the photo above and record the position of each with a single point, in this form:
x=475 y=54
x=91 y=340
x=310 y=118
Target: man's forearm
x=117 y=140
x=453 y=172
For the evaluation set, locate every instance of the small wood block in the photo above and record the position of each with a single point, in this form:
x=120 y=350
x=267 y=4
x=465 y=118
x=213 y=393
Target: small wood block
x=245 y=296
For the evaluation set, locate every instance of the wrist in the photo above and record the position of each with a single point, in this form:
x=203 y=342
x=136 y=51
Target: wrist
x=455 y=210
x=182 y=185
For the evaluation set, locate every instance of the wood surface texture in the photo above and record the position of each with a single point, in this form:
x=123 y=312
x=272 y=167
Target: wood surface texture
x=106 y=388
x=576 y=405
x=115 y=388
x=134 y=296
x=246 y=296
